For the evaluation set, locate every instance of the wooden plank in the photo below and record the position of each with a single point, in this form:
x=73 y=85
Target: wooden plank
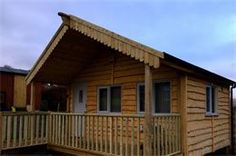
x=148 y=112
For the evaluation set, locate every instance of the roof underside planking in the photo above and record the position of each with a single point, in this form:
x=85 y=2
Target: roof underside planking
x=78 y=42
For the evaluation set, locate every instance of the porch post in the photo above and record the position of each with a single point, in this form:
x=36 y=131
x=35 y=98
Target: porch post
x=183 y=111
x=1 y=133
x=32 y=97
x=148 y=112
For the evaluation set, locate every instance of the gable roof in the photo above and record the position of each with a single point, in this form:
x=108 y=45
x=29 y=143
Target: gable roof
x=114 y=41
x=8 y=69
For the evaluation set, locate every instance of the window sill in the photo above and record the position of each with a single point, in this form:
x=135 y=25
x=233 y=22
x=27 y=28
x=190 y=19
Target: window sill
x=212 y=114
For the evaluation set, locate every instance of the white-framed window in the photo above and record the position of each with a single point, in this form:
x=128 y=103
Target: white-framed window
x=161 y=97
x=211 y=102
x=140 y=97
x=109 y=99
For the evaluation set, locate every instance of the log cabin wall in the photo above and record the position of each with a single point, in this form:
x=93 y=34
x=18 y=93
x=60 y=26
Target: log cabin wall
x=206 y=133
x=111 y=68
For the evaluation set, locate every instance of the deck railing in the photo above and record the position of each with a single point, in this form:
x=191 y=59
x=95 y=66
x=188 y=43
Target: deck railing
x=23 y=129
x=103 y=134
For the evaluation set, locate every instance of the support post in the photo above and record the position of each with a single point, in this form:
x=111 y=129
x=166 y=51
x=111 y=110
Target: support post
x=148 y=112
x=1 y=123
x=183 y=110
x=32 y=97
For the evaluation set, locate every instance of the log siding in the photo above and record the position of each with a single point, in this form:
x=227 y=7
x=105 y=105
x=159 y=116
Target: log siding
x=206 y=134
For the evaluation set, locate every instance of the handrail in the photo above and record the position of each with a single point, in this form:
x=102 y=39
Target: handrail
x=115 y=134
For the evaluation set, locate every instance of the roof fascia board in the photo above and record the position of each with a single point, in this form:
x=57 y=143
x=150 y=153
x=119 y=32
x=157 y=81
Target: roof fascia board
x=47 y=51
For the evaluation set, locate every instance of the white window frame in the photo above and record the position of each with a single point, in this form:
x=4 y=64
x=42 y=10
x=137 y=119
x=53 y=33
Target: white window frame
x=108 y=99
x=210 y=112
x=153 y=95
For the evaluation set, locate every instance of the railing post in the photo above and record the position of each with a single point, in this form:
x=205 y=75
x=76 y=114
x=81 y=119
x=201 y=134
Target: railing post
x=49 y=127
x=1 y=133
x=148 y=112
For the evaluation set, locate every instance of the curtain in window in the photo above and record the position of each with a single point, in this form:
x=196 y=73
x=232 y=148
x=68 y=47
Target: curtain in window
x=116 y=99
x=103 y=99
x=162 y=97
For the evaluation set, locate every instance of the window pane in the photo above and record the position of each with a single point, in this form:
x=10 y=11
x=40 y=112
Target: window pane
x=103 y=99
x=116 y=99
x=213 y=99
x=141 y=98
x=162 y=97
x=208 y=96
x=81 y=96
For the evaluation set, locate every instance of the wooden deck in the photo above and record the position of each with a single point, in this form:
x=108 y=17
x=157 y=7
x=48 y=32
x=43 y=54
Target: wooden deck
x=91 y=133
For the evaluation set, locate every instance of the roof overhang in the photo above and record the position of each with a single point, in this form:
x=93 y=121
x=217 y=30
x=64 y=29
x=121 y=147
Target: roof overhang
x=195 y=70
x=77 y=42
x=98 y=34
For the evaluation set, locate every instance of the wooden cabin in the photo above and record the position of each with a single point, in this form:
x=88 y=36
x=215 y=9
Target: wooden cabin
x=13 y=89
x=123 y=98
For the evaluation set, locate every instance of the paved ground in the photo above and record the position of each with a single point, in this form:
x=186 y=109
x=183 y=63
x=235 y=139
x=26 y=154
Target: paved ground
x=32 y=151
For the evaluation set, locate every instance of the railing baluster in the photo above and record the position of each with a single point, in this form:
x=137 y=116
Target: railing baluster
x=14 y=130
x=92 y=138
x=158 y=135
x=97 y=133
x=110 y=140
x=76 y=131
x=138 y=137
x=132 y=136
x=46 y=129
x=32 y=118
x=8 y=130
x=25 y=130
x=20 y=131
x=88 y=132
x=101 y=137
x=154 y=136
x=121 y=136
x=4 y=131
x=116 y=136
x=80 y=131
x=42 y=128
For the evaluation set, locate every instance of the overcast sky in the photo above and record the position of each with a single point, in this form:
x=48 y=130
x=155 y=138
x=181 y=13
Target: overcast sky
x=202 y=32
